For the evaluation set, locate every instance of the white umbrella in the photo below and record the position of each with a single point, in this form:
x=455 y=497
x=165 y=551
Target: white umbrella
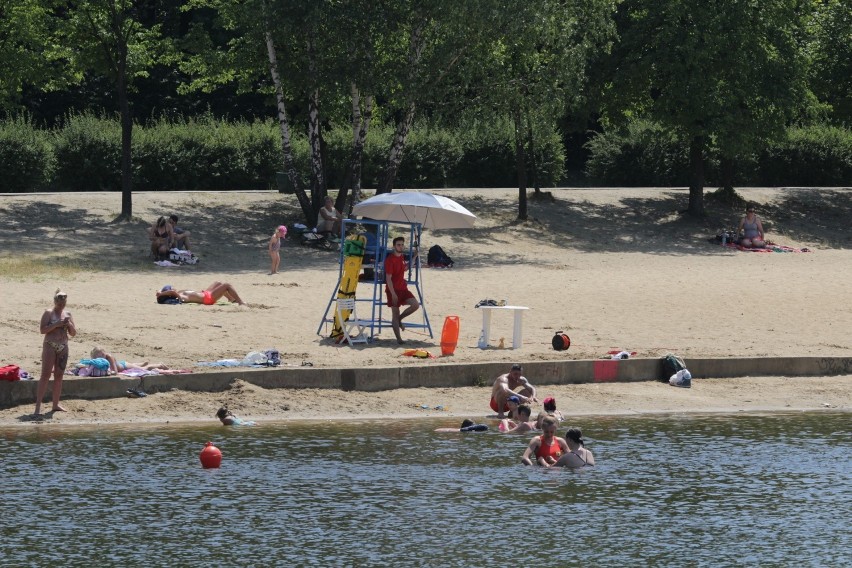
x=431 y=211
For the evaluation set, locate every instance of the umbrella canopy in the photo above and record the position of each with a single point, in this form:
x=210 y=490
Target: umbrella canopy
x=431 y=211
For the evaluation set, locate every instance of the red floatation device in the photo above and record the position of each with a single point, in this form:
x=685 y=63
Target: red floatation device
x=211 y=456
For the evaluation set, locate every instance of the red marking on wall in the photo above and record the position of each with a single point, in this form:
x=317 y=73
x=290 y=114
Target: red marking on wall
x=606 y=371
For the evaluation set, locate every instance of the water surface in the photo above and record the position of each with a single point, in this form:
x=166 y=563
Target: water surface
x=667 y=491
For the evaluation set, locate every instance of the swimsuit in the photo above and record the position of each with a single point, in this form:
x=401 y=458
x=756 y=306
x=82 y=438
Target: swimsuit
x=750 y=228
x=551 y=450
x=58 y=347
x=276 y=245
x=208 y=298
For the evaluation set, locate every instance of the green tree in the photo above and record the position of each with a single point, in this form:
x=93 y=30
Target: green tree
x=108 y=39
x=727 y=73
x=30 y=54
x=828 y=48
x=533 y=67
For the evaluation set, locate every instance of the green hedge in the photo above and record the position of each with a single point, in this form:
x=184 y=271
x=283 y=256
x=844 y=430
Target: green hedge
x=644 y=154
x=88 y=154
x=27 y=161
x=205 y=153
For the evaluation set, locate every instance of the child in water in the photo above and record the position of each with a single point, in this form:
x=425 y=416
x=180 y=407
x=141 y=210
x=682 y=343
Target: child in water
x=275 y=246
x=228 y=419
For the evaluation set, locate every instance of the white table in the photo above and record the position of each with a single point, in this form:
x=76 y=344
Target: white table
x=517 y=331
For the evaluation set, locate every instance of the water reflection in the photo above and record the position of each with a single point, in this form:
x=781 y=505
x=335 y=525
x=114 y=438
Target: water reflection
x=716 y=490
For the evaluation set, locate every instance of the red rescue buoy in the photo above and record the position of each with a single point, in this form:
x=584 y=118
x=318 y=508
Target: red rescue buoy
x=450 y=335
x=211 y=456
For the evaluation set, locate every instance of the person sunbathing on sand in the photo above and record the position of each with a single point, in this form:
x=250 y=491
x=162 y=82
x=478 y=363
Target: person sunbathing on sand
x=116 y=366
x=208 y=297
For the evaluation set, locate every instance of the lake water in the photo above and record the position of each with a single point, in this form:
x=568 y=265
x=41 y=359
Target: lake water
x=773 y=490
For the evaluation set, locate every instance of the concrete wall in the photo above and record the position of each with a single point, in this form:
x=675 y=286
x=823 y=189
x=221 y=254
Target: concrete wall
x=429 y=374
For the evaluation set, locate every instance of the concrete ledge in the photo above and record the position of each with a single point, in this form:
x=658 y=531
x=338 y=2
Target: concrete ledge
x=429 y=375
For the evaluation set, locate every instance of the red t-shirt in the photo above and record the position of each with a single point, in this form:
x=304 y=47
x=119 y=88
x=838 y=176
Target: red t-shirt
x=396 y=266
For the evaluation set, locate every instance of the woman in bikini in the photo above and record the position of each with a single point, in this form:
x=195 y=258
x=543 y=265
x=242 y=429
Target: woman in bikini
x=577 y=455
x=208 y=297
x=161 y=237
x=547 y=448
x=57 y=326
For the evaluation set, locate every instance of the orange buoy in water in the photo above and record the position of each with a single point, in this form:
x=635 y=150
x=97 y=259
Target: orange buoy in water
x=450 y=335
x=211 y=456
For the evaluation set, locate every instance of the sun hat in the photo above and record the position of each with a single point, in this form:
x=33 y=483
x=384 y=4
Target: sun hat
x=549 y=403
x=282 y=229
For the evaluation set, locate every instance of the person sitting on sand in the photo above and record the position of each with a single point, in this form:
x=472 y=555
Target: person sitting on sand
x=468 y=425
x=547 y=448
x=751 y=229
x=523 y=423
x=229 y=419
x=161 y=237
x=505 y=386
x=330 y=218
x=180 y=236
x=577 y=455
x=116 y=366
x=208 y=296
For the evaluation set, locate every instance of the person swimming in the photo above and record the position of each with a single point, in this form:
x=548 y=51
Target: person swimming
x=467 y=425
x=229 y=419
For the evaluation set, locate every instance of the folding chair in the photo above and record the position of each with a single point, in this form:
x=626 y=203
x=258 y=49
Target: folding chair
x=354 y=329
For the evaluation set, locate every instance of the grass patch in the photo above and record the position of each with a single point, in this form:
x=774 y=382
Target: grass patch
x=39 y=268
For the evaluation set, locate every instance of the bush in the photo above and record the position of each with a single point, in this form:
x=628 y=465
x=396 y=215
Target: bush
x=202 y=153
x=27 y=161
x=489 y=156
x=818 y=155
x=88 y=154
x=642 y=155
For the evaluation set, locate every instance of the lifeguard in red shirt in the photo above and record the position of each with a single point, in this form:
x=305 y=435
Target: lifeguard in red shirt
x=396 y=288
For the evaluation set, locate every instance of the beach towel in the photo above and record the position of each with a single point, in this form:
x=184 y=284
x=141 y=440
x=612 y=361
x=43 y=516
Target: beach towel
x=770 y=247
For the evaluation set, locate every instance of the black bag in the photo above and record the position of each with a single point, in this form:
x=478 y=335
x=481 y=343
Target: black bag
x=438 y=258
x=273 y=358
x=671 y=364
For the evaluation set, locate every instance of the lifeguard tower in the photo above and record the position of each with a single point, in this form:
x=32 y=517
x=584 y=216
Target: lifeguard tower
x=364 y=281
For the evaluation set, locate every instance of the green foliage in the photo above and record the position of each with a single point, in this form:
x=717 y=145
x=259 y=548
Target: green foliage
x=88 y=154
x=642 y=154
x=26 y=156
x=203 y=153
x=810 y=156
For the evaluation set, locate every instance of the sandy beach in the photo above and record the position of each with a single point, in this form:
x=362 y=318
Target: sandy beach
x=615 y=269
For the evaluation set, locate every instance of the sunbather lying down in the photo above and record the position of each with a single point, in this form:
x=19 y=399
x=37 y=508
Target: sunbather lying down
x=116 y=366
x=208 y=297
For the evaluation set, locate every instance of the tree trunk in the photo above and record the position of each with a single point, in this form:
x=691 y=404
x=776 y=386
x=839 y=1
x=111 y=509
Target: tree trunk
x=397 y=146
x=284 y=126
x=126 y=139
x=318 y=189
x=403 y=127
x=520 y=163
x=360 y=126
x=533 y=166
x=696 y=184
